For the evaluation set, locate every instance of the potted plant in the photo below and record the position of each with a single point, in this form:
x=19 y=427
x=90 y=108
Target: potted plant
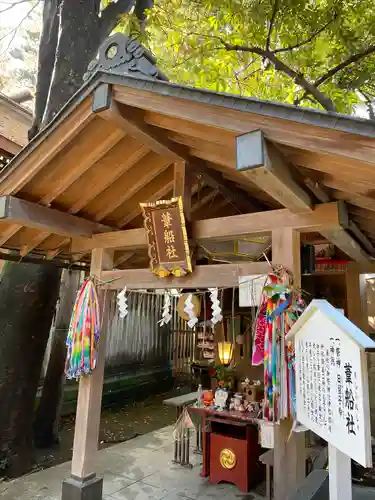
x=223 y=377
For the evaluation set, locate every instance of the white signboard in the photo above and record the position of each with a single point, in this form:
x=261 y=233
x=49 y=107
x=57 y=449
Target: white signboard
x=250 y=290
x=267 y=433
x=332 y=380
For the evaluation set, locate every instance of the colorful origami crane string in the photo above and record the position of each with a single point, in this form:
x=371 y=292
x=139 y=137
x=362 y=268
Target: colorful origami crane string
x=84 y=333
x=284 y=304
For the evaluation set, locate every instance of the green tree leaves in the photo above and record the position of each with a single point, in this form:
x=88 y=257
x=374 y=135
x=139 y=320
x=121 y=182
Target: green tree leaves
x=290 y=50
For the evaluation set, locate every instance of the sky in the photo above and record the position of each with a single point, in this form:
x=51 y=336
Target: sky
x=10 y=19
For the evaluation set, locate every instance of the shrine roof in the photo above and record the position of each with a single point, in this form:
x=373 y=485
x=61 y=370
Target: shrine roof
x=98 y=160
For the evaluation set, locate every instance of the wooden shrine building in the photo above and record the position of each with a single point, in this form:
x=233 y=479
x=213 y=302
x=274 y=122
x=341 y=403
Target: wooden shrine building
x=244 y=167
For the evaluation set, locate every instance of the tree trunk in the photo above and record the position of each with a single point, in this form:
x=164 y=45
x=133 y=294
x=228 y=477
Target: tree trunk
x=26 y=317
x=46 y=61
x=72 y=33
x=28 y=295
x=48 y=412
x=79 y=24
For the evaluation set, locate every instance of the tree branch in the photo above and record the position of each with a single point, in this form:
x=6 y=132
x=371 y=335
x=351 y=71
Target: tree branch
x=308 y=40
x=279 y=65
x=10 y=5
x=110 y=15
x=329 y=74
x=272 y=23
x=13 y=31
x=350 y=60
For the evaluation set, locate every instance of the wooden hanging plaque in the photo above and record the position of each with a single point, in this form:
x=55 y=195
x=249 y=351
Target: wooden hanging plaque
x=168 y=246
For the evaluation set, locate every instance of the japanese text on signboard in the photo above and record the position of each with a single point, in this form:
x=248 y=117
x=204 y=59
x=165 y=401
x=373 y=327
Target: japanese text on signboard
x=331 y=380
x=167 y=238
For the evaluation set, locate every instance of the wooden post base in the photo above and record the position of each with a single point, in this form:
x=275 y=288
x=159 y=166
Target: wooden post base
x=89 y=488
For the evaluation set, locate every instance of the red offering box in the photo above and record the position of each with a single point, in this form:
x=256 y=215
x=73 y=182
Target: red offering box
x=234 y=453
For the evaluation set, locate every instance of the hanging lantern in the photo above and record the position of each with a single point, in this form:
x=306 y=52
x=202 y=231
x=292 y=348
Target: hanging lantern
x=225 y=351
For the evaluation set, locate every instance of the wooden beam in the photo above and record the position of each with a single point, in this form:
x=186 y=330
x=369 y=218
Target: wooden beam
x=224 y=118
x=131 y=123
x=341 y=237
x=264 y=165
x=158 y=142
x=86 y=430
x=182 y=186
x=356 y=199
x=8 y=233
x=227 y=188
x=153 y=191
x=203 y=277
x=35 y=242
x=317 y=190
x=51 y=254
x=343 y=240
x=119 y=160
x=355 y=304
x=362 y=239
x=289 y=447
x=123 y=258
x=204 y=200
x=135 y=179
x=324 y=217
x=25 y=213
x=15 y=179
x=87 y=153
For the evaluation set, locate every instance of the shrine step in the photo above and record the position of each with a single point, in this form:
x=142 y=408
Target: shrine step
x=314 y=487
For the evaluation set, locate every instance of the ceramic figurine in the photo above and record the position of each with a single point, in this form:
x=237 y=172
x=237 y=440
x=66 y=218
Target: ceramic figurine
x=221 y=397
x=208 y=398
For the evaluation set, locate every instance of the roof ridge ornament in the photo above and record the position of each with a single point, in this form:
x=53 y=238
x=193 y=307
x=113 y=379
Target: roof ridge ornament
x=120 y=54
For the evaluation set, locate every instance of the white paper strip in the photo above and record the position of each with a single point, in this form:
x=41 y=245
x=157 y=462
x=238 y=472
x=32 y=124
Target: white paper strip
x=189 y=309
x=122 y=303
x=166 y=315
x=216 y=309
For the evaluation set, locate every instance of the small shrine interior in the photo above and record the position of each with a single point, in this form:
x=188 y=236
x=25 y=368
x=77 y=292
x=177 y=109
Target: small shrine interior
x=152 y=186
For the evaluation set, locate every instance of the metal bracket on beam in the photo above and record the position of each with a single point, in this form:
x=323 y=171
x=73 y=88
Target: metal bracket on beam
x=264 y=165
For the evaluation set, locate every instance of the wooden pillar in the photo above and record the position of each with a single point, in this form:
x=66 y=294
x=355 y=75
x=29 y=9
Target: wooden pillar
x=182 y=186
x=356 y=306
x=83 y=482
x=289 y=448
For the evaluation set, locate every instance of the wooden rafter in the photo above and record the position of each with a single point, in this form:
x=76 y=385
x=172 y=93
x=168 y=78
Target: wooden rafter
x=343 y=240
x=227 y=188
x=154 y=191
x=128 y=185
x=267 y=168
x=8 y=233
x=13 y=182
x=35 y=242
x=74 y=161
x=51 y=254
x=122 y=259
x=119 y=160
x=208 y=198
x=133 y=126
x=133 y=123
